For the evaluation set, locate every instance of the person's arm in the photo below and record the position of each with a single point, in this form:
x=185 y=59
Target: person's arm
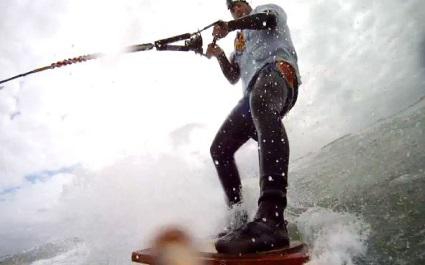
x=259 y=21
x=230 y=68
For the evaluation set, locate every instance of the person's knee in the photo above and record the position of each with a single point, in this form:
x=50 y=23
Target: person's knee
x=215 y=150
x=218 y=152
x=222 y=150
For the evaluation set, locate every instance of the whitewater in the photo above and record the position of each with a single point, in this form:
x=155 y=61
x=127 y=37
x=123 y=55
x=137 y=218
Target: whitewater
x=359 y=200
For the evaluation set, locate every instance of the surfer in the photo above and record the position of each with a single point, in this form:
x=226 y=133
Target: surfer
x=266 y=61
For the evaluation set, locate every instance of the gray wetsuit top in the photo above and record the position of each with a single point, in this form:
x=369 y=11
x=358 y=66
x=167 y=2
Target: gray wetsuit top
x=265 y=46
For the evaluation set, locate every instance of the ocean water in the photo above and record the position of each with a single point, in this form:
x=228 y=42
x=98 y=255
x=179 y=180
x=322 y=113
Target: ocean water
x=376 y=176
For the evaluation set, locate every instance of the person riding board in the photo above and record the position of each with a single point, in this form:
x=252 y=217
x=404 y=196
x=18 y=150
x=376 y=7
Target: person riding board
x=266 y=61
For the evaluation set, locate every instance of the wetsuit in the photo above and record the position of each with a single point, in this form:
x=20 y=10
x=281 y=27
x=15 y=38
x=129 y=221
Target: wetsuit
x=268 y=96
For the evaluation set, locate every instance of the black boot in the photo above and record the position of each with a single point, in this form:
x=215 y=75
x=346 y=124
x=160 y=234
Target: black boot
x=236 y=218
x=266 y=232
x=255 y=236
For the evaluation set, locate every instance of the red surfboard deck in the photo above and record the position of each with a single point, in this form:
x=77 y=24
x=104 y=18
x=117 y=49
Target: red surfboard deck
x=295 y=254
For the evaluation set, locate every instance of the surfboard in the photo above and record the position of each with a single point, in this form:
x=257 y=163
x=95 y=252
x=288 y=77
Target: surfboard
x=295 y=254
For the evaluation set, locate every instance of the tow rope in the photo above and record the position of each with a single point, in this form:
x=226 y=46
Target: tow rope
x=192 y=42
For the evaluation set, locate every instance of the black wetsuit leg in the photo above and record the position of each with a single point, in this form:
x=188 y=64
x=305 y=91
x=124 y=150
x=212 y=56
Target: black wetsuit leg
x=234 y=132
x=270 y=97
x=258 y=116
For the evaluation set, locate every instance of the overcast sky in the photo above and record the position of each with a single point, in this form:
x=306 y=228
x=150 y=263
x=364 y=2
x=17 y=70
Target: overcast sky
x=360 y=61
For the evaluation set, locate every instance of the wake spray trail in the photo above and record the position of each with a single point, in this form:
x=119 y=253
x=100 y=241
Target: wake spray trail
x=335 y=238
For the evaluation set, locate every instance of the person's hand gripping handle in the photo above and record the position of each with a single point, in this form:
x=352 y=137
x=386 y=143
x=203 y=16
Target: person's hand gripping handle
x=213 y=49
x=220 y=30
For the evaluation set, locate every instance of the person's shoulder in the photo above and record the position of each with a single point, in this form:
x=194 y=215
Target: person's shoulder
x=269 y=7
x=273 y=8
